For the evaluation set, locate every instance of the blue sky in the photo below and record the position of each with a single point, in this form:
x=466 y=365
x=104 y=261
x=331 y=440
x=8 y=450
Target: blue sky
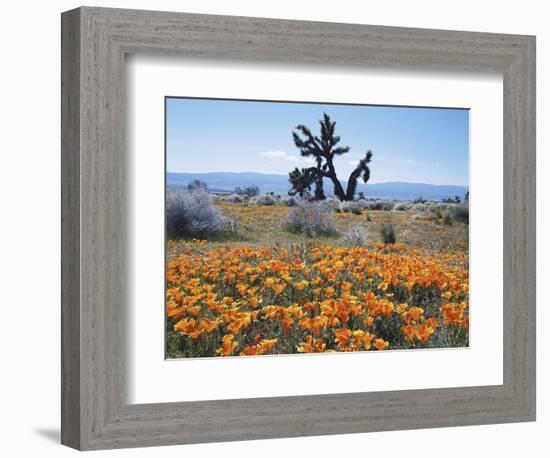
x=425 y=145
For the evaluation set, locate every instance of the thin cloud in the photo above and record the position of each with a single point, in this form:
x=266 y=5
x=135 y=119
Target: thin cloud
x=405 y=161
x=279 y=156
x=283 y=157
x=399 y=160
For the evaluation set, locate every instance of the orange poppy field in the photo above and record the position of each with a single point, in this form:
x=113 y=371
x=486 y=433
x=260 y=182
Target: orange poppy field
x=269 y=291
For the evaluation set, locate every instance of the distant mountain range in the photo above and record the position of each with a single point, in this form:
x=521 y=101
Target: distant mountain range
x=226 y=182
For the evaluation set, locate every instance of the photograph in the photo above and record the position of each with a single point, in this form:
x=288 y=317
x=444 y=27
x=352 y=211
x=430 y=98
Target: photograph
x=296 y=227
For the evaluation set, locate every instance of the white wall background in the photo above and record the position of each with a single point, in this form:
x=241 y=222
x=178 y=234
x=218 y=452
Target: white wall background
x=29 y=232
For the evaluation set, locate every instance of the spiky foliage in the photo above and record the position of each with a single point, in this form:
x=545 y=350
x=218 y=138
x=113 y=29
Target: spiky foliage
x=323 y=149
x=361 y=170
x=309 y=147
x=301 y=180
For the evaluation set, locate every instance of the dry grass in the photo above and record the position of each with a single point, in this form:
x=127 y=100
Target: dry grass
x=265 y=225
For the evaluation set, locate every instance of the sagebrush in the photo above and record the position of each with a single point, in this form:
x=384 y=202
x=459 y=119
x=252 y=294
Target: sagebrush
x=192 y=214
x=312 y=219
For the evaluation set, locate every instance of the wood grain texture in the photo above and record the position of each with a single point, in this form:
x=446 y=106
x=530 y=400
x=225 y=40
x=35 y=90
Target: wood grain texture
x=70 y=229
x=95 y=411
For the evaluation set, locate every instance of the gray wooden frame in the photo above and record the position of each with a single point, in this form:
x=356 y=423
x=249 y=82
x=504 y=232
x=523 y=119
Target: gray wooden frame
x=95 y=413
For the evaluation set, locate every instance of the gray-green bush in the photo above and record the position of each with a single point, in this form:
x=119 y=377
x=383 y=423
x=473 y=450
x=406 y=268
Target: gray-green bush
x=312 y=219
x=332 y=203
x=351 y=207
x=192 y=214
x=249 y=191
x=386 y=205
x=290 y=201
x=234 y=198
x=462 y=214
x=264 y=199
x=420 y=207
x=401 y=206
x=356 y=236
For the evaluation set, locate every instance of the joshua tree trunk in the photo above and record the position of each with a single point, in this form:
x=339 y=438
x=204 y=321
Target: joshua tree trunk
x=319 y=192
x=352 y=183
x=338 y=189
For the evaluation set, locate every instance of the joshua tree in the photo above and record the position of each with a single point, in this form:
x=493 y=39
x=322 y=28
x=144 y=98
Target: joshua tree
x=324 y=148
x=301 y=180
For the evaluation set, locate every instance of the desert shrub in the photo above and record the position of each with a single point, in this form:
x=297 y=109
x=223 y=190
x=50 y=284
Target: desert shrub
x=419 y=200
x=231 y=227
x=192 y=214
x=452 y=200
x=265 y=199
x=462 y=214
x=249 y=191
x=375 y=205
x=401 y=206
x=362 y=203
x=234 y=199
x=197 y=185
x=290 y=201
x=369 y=219
x=350 y=207
x=312 y=219
x=420 y=207
x=356 y=236
x=385 y=205
x=387 y=233
x=332 y=203
x=448 y=219
x=445 y=206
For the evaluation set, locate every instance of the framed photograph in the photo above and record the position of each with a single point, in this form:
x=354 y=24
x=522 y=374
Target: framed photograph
x=272 y=252
x=277 y=228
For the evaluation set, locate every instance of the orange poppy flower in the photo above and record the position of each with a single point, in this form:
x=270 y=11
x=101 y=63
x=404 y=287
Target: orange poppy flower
x=287 y=323
x=342 y=336
x=311 y=345
x=380 y=344
x=228 y=346
x=424 y=332
x=409 y=331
